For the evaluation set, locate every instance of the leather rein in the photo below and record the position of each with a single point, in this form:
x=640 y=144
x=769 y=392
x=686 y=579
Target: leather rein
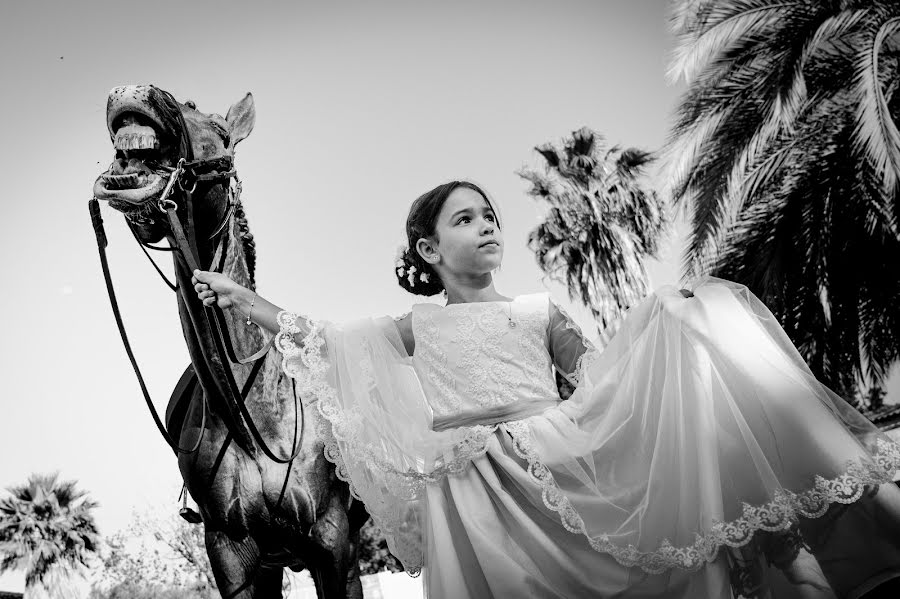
x=217 y=169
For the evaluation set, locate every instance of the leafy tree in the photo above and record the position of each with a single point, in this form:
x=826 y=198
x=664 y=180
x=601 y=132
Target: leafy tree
x=603 y=221
x=373 y=554
x=786 y=153
x=133 y=590
x=156 y=555
x=47 y=529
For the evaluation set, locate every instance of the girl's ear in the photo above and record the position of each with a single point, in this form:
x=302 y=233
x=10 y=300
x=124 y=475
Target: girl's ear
x=428 y=251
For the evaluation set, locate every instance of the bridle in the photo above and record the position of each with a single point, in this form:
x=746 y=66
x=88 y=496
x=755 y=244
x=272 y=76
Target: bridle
x=185 y=176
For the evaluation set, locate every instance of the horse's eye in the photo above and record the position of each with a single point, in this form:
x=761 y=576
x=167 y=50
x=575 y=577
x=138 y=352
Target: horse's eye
x=191 y=104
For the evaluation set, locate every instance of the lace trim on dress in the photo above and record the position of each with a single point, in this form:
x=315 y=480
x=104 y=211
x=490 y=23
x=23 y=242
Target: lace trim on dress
x=780 y=513
x=479 y=332
x=310 y=373
x=577 y=375
x=307 y=379
x=590 y=351
x=532 y=348
x=429 y=351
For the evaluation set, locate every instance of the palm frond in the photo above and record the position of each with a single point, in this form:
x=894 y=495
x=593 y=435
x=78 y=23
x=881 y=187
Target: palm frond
x=798 y=245
x=725 y=24
x=876 y=133
x=46 y=527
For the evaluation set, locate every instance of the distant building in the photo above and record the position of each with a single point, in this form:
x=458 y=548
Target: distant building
x=12 y=584
x=887 y=418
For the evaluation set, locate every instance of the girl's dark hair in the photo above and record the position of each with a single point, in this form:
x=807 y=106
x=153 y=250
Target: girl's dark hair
x=421 y=222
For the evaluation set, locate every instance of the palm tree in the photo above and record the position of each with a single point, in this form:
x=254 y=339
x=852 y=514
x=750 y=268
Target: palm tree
x=603 y=220
x=875 y=398
x=47 y=529
x=786 y=153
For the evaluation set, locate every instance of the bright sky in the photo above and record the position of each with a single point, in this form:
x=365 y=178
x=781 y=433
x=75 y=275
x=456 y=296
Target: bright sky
x=361 y=107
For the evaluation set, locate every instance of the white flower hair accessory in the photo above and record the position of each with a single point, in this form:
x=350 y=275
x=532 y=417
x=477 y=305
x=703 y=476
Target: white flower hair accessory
x=410 y=271
x=399 y=262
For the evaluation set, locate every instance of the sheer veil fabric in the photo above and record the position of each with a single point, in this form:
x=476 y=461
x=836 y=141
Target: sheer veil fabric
x=696 y=452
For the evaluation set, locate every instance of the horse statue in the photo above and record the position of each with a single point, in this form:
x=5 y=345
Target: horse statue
x=254 y=464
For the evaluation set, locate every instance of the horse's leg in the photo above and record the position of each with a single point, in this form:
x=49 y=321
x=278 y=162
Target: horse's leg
x=237 y=569
x=354 y=586
x=268 y=583
x=325 y=577
x=336 y=571
x=785 y=550
x=358 y=517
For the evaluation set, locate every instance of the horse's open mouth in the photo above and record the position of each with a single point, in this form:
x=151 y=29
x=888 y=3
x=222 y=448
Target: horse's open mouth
x=144 y=159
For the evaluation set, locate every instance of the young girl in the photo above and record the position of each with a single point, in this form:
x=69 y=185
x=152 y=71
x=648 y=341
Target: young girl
x=697 y=456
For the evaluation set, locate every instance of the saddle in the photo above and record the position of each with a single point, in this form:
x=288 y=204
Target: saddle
x=180 y=402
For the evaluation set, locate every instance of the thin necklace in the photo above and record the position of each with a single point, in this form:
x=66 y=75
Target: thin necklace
x=512 y=323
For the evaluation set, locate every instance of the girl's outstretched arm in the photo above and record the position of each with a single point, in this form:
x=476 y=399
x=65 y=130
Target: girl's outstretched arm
x=214 y=287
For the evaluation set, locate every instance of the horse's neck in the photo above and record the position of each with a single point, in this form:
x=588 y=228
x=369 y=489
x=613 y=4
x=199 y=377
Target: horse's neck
x=270 y=389
x=247 y=339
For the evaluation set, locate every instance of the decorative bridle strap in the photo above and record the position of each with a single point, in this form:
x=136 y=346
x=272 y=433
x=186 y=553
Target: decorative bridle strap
x=222 y=341
x=144 y=246
x=216 y=319
x=102 y=243
x=97 y=220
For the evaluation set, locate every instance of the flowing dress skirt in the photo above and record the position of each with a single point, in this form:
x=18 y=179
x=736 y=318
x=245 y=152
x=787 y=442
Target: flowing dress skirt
x=698 y=457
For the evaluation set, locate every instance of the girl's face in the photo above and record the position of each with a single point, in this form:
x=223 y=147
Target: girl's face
x=470 y=243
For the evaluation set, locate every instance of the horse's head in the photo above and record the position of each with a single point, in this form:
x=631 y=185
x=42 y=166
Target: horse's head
x=151 y=131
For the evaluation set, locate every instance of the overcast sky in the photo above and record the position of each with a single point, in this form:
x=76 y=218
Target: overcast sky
x=361 y=107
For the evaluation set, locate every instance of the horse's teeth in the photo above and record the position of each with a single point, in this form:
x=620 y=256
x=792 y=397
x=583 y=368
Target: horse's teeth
x=149 y=142
x=136 y=137
x=122 y=181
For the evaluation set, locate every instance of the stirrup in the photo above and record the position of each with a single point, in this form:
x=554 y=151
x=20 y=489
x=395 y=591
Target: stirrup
x=190 y=515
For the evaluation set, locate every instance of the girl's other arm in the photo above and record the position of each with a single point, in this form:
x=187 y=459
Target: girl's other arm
x=566 y=345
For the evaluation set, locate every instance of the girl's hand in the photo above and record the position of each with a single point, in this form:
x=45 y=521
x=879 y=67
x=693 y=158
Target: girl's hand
x=215 y=288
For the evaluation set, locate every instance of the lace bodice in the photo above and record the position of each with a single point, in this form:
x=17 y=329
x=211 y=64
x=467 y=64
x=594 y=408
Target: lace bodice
x=468 y=356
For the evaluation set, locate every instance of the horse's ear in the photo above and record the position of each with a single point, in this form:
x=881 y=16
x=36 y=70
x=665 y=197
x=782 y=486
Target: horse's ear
x=241 y=118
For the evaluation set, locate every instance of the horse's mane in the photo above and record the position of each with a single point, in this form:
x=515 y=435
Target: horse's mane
x=249 y=245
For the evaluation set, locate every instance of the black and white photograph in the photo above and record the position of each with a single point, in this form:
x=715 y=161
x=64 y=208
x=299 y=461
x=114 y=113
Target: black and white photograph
x=481 y=299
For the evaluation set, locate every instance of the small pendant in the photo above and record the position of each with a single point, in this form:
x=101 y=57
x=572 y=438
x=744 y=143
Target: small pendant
x=512 y=324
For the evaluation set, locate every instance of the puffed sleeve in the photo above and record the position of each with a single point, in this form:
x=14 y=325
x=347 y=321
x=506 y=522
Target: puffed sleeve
x=568 y=347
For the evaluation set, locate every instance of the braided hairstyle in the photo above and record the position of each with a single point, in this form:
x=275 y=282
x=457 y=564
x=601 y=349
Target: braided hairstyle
x=421 y=222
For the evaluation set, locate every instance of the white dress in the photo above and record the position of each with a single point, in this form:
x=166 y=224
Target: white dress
x=697 y=457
